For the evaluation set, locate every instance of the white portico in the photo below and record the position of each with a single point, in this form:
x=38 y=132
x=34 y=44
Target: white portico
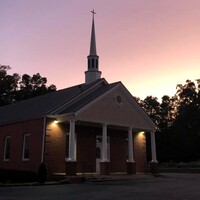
x=112 y=110
x=111 y=114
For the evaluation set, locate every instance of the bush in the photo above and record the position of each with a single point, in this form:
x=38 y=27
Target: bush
x=42 y=173
x=17 y=176
x=2 y=175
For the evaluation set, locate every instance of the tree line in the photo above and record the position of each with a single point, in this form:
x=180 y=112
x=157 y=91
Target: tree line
x=178 y=123
x=14 y=88
x=177 y=117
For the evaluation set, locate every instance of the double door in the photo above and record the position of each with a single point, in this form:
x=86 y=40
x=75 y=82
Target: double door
x=99 y=151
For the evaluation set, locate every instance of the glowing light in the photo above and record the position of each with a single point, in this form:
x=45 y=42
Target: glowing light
x=55 y=121
x=141 y=133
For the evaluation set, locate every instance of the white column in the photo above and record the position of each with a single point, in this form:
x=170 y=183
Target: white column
x=104 y=143
x=75 y=145
x=72 y=141
x=153 y=148
x=130 y=146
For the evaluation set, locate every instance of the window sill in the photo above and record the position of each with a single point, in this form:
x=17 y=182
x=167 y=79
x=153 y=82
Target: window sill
x=25 y=159
x=6 y=160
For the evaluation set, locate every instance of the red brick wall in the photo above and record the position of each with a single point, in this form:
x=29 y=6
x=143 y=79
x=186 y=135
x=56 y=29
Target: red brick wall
x=17 y=131
x=140 y=152
x=118 y=151
x=55 y=146
x=86 y=149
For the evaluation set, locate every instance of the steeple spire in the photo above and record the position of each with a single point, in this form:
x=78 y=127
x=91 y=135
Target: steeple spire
x=93 y=50
x=92 y=73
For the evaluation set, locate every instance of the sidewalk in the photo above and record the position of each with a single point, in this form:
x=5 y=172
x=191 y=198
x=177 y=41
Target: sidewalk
x=112 y=177
x=87 y=177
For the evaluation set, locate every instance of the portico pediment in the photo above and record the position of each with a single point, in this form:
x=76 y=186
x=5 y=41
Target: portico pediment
x=116 y=107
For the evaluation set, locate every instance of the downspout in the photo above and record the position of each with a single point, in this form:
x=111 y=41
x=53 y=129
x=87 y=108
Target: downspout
x=43 y=140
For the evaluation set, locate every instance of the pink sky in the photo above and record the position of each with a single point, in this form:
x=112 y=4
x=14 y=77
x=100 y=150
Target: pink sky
x=149 y=45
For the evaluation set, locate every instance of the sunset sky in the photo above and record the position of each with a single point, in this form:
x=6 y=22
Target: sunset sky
x=149 y=45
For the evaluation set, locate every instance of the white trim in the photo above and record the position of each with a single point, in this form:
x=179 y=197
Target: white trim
x=104 y=144
x=153 y=148
x=67 y=158
x=43 y=140
x=135 y=129
x=5 y=147
x=145 y=116
x=130 y=146
x=24 y=143
x=72 y=142
x=66 y=146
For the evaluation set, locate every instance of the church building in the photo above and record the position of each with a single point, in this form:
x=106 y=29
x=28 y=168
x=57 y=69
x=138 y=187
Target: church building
x=94 y=127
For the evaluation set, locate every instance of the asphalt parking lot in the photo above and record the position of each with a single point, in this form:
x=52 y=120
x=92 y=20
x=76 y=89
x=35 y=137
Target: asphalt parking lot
x=166 y=186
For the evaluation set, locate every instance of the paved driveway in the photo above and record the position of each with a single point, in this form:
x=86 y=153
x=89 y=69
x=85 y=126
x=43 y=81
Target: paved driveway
x=167 y=186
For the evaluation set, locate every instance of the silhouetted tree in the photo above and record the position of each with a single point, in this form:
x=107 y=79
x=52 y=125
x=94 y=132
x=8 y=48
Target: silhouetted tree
x=152 y=107
x=8 y=85
x=186 y=126
x=14 y=88
x=178 y=122
x=163 y=137
x=33 y=86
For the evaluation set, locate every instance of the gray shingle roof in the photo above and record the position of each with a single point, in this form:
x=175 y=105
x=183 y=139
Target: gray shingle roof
x=43 y=105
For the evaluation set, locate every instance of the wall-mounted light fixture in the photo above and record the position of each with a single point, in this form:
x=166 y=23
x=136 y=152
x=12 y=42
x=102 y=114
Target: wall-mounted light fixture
x=55 y=121
x=141 y=134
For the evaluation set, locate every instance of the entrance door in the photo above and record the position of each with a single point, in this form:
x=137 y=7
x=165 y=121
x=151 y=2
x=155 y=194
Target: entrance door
x=99 y=150
x=98 y=156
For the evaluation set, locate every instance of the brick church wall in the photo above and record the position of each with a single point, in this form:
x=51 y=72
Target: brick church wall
x=55 y=146
x=118 y=151
x=16 y=131
x=86 y=149
x=140 y=152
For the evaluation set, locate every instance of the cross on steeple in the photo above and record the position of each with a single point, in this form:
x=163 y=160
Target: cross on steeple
x=93 y=12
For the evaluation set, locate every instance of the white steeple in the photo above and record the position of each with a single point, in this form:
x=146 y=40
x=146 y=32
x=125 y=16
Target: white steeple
x=92 y=73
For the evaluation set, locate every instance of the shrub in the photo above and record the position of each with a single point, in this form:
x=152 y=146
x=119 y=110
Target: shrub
x=17 y=176
x=2 y=175
x=42 y=173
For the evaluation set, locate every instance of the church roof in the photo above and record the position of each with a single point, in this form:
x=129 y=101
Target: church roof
x=88 y=98
x=73 y=100
x=46 y=104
